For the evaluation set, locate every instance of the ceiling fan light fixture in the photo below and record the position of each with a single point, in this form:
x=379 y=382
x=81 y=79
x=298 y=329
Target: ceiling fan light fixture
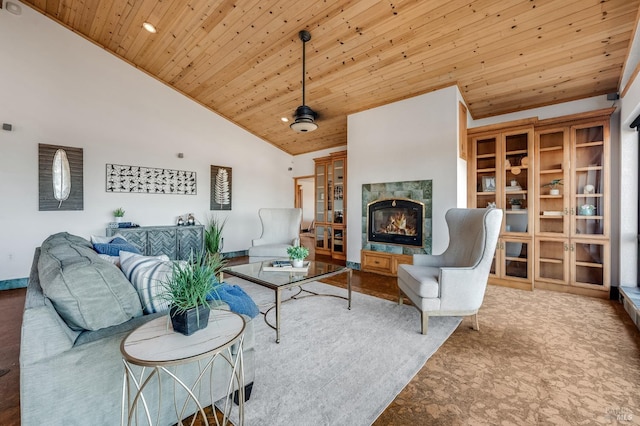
x=304 y=120
x=304 y=117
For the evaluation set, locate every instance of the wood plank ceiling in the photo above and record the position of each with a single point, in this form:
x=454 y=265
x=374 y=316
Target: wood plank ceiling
x=243 y=58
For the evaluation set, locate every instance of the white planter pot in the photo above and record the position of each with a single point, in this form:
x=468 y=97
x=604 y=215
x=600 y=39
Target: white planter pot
x=515 y=207
x=118 y=219
x=555 y=191
x=297 y=263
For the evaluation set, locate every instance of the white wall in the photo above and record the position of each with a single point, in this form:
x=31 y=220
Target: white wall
x=414 y=139
x=57 y=88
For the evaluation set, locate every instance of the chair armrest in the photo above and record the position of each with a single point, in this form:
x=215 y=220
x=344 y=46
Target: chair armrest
x=258 y=242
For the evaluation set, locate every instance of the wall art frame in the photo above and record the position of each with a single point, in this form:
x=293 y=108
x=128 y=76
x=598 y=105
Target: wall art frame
x=221 y=188
x=60 y=178
x=150 y=180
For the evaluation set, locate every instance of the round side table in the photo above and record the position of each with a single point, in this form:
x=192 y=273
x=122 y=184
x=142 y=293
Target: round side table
x=156 y=348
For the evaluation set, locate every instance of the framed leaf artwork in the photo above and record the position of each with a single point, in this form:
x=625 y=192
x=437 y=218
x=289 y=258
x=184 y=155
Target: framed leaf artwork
x=60 y=178
x=221 y=178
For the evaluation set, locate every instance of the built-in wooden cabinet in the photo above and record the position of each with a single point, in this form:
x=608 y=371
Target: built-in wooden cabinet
x=501 y=177
x=558 y=238
x=382 y=262
x=331 y=205
x=572 y=227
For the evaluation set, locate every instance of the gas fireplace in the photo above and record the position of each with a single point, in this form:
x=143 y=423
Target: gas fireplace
x=395 y=221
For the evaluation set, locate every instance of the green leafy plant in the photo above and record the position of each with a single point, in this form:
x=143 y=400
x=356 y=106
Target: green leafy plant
x=516 y=201
x=554 y=184
x=119 y=212
x=213 y=234
x=191 y=282
x=298 y=252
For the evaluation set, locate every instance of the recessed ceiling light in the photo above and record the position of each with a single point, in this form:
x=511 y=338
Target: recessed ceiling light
x=149 y=27
x=13 y=8
x=284 y=119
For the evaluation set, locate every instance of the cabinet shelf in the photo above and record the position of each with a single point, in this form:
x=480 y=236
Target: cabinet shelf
x=589 y=144
x=516 y=152
x=551 y=260
x=588 y=168
x=486 y=156
x=489 y=170
x=550 y=171
x=590 y=265
x=589 y=195
x=584 y=217
x=551 y=148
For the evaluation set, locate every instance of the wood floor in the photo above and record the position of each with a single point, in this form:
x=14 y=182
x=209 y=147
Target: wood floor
x=539 y=358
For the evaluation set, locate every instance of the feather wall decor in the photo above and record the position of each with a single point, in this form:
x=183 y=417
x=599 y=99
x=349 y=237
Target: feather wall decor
x=61 y=176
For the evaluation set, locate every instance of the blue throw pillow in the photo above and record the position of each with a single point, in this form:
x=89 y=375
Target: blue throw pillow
x=113 y=248
x=238 y=301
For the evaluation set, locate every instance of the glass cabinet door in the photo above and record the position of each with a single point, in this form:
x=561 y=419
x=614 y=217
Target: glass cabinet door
x=588 y=263
x=516 y=259
x=338 y=192
x=552 y=211
x=553 y=261
x=589 y=184
x=321 y=192
x=322 y=237
x=485 y=155
x=515 y=181
x=338 y=241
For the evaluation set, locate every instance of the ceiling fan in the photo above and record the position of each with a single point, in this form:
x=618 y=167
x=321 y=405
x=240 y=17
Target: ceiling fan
x=304 y=117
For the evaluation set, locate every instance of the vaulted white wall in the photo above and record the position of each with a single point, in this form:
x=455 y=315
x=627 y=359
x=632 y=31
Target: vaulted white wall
x=414 y=139
x=57 y=88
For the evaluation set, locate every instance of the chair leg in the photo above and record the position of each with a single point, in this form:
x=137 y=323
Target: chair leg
x=475 y=325
x=425 y=321
x=400 y=297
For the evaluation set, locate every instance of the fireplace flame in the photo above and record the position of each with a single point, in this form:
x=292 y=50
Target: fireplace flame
x=397 y=224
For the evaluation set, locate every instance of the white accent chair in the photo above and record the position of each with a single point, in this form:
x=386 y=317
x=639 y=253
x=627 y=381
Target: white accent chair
x=454 y=282
x=280 y=230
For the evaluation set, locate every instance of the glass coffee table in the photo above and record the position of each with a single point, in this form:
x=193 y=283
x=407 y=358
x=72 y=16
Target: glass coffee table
x=282 y=280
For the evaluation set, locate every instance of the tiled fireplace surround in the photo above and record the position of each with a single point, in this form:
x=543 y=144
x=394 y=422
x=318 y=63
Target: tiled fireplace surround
x=419 y=190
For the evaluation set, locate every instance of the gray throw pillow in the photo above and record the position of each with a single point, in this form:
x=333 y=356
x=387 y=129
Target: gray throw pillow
x=89 y=293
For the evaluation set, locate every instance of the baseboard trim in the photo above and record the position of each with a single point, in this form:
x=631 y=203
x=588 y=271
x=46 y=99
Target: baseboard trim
x=14 y=283
x=353 y=265
x=232 y=254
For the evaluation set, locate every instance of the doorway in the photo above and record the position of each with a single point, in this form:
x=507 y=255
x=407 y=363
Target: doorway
x=304 y=199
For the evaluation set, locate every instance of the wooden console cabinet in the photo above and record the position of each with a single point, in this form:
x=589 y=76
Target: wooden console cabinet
x=177 y=242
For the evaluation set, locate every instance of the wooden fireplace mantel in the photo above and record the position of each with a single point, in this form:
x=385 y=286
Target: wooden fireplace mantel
x=383 y=263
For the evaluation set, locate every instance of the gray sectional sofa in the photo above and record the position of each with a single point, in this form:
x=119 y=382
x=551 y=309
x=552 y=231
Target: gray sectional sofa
x=77 y=311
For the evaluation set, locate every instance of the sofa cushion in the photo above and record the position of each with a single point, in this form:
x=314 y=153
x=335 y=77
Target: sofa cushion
x=88 y=293
x=147 y=273
x=115 y=246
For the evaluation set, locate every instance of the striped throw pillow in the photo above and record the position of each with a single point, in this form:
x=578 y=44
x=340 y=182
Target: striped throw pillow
x=147 y=273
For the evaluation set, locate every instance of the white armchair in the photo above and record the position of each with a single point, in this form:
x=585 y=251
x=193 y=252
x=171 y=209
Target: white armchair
x=280 y=230
x=454 y=282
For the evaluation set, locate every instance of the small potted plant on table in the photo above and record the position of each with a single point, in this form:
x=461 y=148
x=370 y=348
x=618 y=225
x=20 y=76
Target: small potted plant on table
x=554 y=184
x=118 y=214
x=297 y=255
x=187 y=289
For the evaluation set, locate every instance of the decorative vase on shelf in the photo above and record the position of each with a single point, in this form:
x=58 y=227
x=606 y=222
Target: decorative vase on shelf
x=554 y=191
x=515 y=207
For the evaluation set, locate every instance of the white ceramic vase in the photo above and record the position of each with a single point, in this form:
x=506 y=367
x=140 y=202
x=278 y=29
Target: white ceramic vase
x=298 y=263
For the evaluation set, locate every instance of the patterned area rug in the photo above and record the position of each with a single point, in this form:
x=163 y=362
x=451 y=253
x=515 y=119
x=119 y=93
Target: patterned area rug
x=336 y=366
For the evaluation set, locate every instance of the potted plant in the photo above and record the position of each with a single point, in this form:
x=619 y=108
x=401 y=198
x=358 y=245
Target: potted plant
x=213 y=240
x=297 y=255
x=554 y=184
x=187 y=289
x=118 y=214
x=516 y=203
